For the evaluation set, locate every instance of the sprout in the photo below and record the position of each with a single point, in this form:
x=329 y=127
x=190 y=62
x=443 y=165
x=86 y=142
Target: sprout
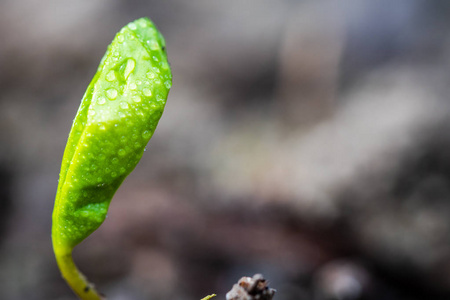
x=117 y=117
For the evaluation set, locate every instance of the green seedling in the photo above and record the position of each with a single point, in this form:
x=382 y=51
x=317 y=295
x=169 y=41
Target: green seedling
x=116 y=119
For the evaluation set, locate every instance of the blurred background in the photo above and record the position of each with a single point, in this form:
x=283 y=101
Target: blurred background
x=305 y=140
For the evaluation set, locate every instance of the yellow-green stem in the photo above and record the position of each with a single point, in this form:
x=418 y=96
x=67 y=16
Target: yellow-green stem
x=76 y=280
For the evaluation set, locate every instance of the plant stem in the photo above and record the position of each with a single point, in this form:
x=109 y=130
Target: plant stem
x=76 y=280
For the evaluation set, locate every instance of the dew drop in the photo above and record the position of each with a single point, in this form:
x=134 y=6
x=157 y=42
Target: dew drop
x=99 y=179
x=165 y=65
x=143 y=23
x=155 y=58
x=121 y=114
x=91 y=112
x=168 y=84
x=120 y=38
x=153 y=45
x=122 y=152
x=122 y=170
x=131 y=63
x=111 y=93
x=133 y=86
x=139 y=82
x=137 y=99
x=124 y=105
x=132 y=26
x=115 y=160
x=150 y=75
x=146 y=134
x=139 y=112
x=101 y=100
x=102 y=127
x=113 y=174
x=111 y=76
x=137 y=145
x=147 y=92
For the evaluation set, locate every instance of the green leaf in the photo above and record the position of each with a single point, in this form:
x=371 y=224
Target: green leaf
x=117 y=117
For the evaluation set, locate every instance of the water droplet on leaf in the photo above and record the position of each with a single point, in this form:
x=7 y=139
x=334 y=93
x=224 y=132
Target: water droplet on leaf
x=146 y=134
x=111 y=93
x=147 y=92
x=111 y=76
x=129 y=67
x=101 y=100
